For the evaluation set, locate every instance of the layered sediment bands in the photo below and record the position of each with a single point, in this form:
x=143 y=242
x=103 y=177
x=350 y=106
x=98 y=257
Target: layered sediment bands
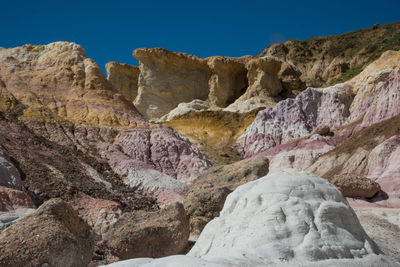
x=296 y=118
x=371 y=153
x=124 y=78
x=62 y=96
x=60 y=80
x=358 y=149
x=50 y=170
x=169 y=78
x=214 y=132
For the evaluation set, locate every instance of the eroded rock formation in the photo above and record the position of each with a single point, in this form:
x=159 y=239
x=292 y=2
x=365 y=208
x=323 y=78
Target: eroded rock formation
x=282 y=219
x=207 y=195
x=53 y=235
x=361 y=141
x=167 y=79
x=156 y=234
x=124 y=78
x=228 y=81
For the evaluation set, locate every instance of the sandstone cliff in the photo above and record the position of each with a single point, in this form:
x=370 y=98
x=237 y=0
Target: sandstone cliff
x=167 y=79
x=124 y=78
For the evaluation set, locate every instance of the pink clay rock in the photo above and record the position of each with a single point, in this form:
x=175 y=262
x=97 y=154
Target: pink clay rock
x=13 y=199
x=295 y=118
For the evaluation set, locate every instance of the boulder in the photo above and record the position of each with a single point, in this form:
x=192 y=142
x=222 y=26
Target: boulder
x=207 y=195
x=287 y=218
x=53 y=235
x=355 y=186
x=124 y=78
x=149 y=234
x=167 y=79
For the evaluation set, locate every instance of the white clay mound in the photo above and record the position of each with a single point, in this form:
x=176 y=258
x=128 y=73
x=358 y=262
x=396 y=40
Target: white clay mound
x=287 y=218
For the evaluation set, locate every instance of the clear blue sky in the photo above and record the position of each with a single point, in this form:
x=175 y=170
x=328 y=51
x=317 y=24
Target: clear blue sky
x=110 y=30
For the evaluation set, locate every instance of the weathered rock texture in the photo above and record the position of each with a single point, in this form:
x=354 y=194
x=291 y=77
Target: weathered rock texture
x=60 y=82
x=214 y=132
x=264 y=85
x=54 y=234
x=296 y=118
x=124 y=78
x=383 y=226
x=169 y=78
x=283 y=219
x=156 y=234
x=228 y=81
x=65 y=132
x=359 y=151
x=58 y=78
x=185 y=108
x=332 y=59
x=207 y=195
x=371 y=153
x=237 y=84
x=355 y=186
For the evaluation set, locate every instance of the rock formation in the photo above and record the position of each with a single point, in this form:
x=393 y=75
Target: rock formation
x=296 y=118
x=53 y=235
x=228 y=81
x=71 y=135
x=59 y=79
x=264 y=85
x=207 y=195
x=68 y=132
x=156 y=234
x=214 y=132
x=185 y=108
x=360 y=144
x=167 y=79
x=334 y=59
x=282 y=219
x=124 y=78
x=74 y=80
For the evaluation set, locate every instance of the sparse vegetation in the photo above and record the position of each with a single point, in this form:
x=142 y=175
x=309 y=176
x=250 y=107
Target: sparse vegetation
x=356 y=48
x=352 y=72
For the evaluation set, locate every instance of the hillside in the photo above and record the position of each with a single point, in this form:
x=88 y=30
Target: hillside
x=334 y=59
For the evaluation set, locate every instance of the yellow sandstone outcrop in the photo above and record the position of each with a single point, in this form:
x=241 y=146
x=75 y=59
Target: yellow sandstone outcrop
x=167 y=79
x=124 y=78
x=59 y=81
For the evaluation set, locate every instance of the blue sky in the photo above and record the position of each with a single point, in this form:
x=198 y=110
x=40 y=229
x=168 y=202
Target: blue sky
x=110 y=30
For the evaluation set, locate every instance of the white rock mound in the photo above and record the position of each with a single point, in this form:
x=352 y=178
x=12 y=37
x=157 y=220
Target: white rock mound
x=287 y=218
